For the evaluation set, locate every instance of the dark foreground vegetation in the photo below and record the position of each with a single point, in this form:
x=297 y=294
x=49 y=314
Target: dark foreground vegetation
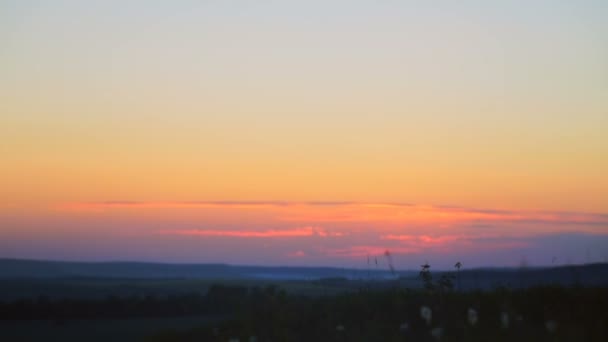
x=393 y=314
x=539 y=314
x=554 y=304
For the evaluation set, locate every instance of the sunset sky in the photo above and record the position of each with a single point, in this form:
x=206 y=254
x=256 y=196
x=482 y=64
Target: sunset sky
x=305 y=132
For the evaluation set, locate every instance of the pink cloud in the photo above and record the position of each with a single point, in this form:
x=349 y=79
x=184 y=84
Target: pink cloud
x=297 y=254
x=271 y=233
x=425 y=239
x=450 y=243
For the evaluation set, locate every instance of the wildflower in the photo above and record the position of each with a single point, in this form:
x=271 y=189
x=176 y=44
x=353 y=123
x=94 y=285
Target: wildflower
x=436 y=333
x=551 y=326
x=472 y=316
x=427 y=314
x=340 y=328
x=404 y=327
x=504 y=320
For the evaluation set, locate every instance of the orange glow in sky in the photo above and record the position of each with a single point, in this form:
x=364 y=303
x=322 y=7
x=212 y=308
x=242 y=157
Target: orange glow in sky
x=308 y=133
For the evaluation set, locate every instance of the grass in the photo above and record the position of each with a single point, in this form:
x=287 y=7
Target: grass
x=132 y=329
x=333 y=309
x=579 y=314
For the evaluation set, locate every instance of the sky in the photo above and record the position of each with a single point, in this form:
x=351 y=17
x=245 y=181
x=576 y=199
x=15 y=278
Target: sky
x=305 y=132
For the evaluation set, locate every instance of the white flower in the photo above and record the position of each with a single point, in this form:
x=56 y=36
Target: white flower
x=436 y=333
x=404 y=326
x=427 y=314
x=504 y=320
x=339 y=328
x=551 y=326
x=472 y=316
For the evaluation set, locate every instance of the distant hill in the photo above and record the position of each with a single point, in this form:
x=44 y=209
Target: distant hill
x=589 y=275
x=16 y=268
x=55 y=279
x=572 y=275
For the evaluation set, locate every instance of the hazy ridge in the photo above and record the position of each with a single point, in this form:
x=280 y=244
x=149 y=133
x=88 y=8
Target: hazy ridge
x=588 y=274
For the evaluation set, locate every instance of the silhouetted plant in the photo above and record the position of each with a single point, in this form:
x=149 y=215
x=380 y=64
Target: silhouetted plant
x=426 y=276
x=458 y=265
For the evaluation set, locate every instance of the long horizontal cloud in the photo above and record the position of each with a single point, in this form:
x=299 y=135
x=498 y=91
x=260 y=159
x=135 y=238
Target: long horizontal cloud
x=438 y=215
x=390 y=221
x=345 y=211
x=272 y=233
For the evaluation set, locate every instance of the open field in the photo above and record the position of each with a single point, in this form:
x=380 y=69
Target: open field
x=538 y=314
x=551 y=304
x=270 y=314
x=131 y=329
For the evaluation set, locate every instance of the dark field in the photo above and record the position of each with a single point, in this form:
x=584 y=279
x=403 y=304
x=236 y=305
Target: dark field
x=327 y=309
x=270 y=314
x=129 y=329
x=540 y=314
